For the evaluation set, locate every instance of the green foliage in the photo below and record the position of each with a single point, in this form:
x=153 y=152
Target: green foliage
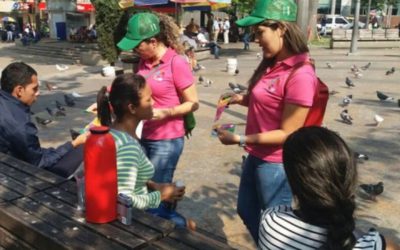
x=108 y=16
x=243 y=7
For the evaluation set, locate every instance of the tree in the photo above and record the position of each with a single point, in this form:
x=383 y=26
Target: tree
x=108 y=16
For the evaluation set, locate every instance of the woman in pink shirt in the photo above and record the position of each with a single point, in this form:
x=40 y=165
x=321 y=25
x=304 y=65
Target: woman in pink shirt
x=155 y=38
x=277 y=106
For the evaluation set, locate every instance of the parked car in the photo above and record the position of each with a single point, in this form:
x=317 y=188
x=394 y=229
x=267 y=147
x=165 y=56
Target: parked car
x=336 y=22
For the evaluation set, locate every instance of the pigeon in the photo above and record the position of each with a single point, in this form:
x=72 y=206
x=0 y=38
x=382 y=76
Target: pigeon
x=391 y=71
x=258 y=55
x=42 y=121
x=333 y=92
x=361 y=157
x=384 y=97
x=378 y=119
x=61 y=67
x=241 y=87
x=236 y=72
x=346 y=118
x=59 y=106
x=358 y=74
x=50 y=87
x=208 y=83
x=354 y=68
x=74 y=134
x=76 y=95
x=201 y=79
x=55 y=113
x=234 y=87
x=69 y=101
x=349 y=82
x=365 y=67
x=329 y=65
x=372 y=190
x=346 y=101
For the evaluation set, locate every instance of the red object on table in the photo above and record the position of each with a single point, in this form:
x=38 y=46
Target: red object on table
x=100 y=176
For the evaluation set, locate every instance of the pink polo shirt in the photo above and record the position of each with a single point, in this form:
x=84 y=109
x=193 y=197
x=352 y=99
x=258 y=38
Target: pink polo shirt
x=164 y=83
x=269 y=96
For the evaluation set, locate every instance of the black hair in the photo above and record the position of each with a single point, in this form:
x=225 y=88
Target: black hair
x=17 y=73
x=322 y=174
x=124 y=91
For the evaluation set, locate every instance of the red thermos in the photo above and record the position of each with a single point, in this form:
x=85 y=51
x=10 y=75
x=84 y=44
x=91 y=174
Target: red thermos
x=100 y=176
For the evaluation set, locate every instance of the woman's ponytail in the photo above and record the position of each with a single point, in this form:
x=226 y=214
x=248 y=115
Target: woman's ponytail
x=103 y=107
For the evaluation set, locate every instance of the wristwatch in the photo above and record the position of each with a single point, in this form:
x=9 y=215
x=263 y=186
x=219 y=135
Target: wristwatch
x=242 y=140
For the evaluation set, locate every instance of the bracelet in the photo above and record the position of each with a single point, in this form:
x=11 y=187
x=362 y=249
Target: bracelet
x=242 y=141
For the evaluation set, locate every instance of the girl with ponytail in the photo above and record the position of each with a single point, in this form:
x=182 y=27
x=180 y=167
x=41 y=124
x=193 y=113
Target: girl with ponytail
x=322 y=175
x=128 y=102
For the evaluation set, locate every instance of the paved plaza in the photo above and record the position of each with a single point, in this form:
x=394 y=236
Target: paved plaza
x=211 y=170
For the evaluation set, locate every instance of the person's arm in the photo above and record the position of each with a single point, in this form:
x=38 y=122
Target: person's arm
x=390 y=245
x=299 y=95
x=294 y=117
x=27 y=146
x=129 y=159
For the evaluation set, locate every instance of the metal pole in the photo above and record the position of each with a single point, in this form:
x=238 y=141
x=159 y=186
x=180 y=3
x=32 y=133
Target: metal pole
x=333 y=7
x=368 y=11
x=354 y=37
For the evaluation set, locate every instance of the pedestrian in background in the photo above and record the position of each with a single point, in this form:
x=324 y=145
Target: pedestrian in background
x=277 y=106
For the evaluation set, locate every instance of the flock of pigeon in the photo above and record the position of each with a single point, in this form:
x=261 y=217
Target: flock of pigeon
x=371 y=190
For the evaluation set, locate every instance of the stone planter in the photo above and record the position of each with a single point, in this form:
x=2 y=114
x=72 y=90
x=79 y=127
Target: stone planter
x=91 y=58
x=378 y=34
x=365 y=34
x=392 y=34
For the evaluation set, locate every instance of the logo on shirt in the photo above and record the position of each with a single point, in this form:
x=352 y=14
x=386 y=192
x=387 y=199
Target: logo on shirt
x=271 y=85
x=159 y=75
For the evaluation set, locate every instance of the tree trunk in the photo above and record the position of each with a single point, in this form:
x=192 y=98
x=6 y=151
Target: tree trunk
x=389 y=16
x=368 y=11
x=302 y=15
x=312 y=21
x=354 y=37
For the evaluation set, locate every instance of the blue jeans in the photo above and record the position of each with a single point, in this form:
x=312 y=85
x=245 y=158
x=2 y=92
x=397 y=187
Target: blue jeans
x=165 y=211
x=164 y=154
x=262 y=185
x=246 y=41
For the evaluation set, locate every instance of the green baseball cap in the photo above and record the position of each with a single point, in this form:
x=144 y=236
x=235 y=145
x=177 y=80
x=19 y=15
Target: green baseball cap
x=140 y=27
x=279 y=10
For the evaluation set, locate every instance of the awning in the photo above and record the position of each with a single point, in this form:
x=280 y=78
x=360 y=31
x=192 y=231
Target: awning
x=84 y=7
x=209 y=6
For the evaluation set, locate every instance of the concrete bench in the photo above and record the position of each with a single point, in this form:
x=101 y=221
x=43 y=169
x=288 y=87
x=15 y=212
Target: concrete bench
x=376 y=38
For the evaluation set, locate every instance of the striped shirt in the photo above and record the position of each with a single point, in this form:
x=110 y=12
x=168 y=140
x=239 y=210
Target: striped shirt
x=134 y=170
x=280 y=228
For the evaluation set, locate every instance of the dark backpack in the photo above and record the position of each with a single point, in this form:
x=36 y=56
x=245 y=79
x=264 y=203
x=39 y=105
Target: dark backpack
x=316 y=113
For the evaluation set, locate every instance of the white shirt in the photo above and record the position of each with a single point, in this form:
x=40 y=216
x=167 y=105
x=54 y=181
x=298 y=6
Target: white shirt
x=280 y=228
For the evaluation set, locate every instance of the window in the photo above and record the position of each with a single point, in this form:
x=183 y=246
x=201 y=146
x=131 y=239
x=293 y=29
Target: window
x=340 y=21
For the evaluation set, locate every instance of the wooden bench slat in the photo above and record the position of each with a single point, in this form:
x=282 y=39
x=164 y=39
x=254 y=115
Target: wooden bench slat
x=122 y=237
x=11 y=242
x=159 y=224
x=67 y=226
x=168 y=243
x=142 y=231
x=7 y=194
x=34 y=231
x=197 y=240
x=16 y=186
x=30 y=169
x=23 y=178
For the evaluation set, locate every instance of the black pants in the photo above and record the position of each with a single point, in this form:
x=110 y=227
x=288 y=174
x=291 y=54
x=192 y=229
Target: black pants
x=69 y=163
